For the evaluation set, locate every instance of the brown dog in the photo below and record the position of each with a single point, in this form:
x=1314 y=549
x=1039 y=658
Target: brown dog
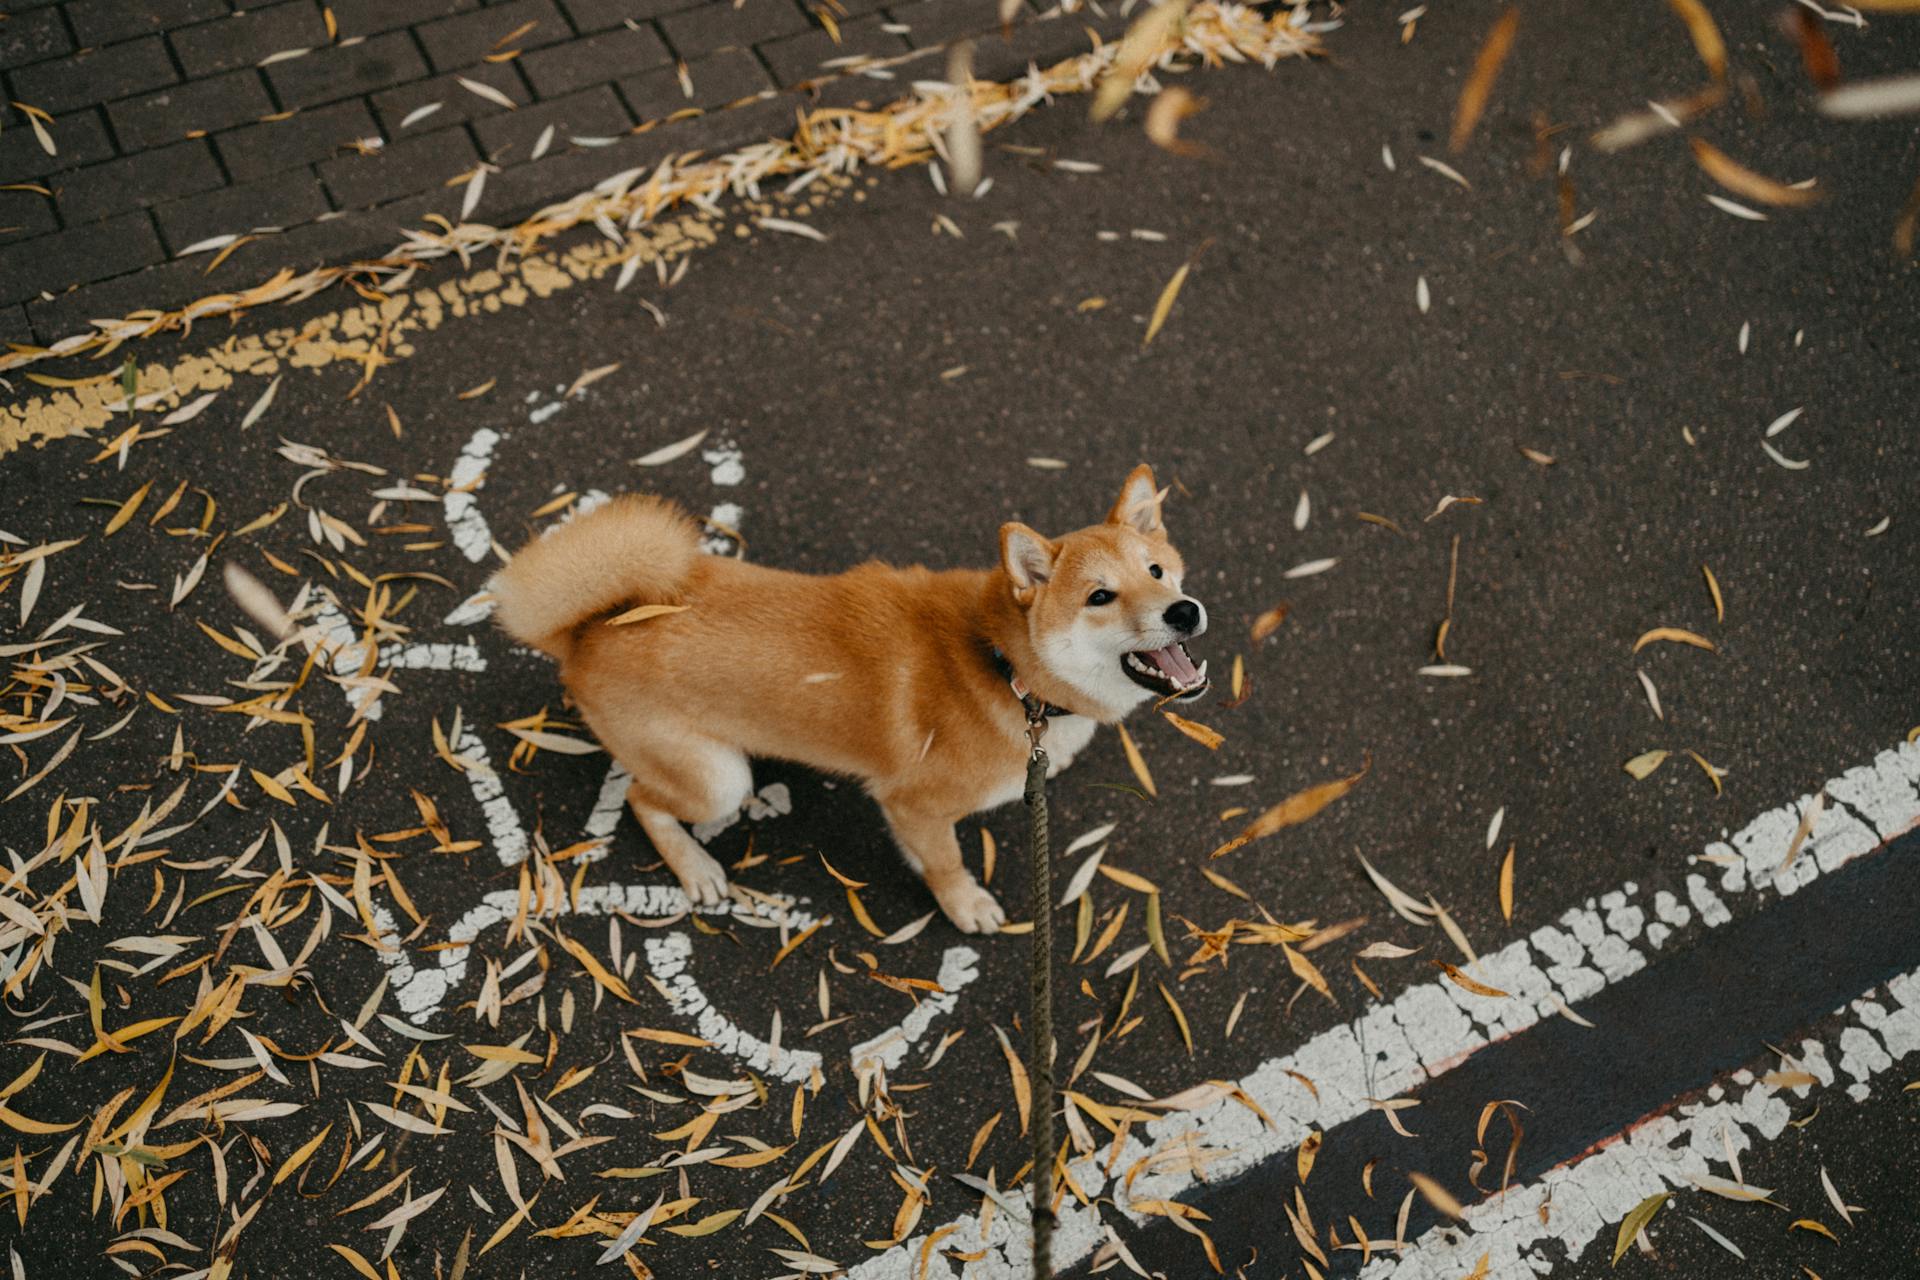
x=900 y=678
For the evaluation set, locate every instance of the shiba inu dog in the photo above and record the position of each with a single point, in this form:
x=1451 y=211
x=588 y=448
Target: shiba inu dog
x=909 y=680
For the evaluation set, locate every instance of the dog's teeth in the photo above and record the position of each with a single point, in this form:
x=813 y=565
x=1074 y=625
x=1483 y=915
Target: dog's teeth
x=1203 y=673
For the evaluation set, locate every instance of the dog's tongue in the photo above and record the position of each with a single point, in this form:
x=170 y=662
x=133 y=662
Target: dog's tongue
x=1174 y=663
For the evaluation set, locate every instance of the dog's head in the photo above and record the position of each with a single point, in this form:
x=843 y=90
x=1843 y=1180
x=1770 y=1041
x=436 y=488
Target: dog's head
x=1106 y=614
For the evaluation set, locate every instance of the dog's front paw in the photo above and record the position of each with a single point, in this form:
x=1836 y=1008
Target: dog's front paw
x=971 y=908
x=703 y=880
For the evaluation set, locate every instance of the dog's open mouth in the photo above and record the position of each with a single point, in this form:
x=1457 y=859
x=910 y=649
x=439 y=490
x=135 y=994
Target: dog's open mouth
x=1167 y=672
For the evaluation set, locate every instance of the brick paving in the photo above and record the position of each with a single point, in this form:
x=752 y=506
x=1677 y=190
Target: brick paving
x=324 y=129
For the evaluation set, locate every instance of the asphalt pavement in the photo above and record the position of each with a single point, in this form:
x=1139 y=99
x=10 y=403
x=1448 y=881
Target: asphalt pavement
x=1596 y=404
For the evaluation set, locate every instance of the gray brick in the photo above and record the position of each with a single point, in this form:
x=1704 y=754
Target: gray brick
x=344 y=72
x=196 y=106
x=30 y=37
x=717 y=26
x=593 y=60
x=98 y=75
x=938 y=21
x=79 y=255
x=718 y=78
x=798 y=58
x=105 y=21
x=246 y=38
x=132 y=182
x=24 y=214
x=458 y=42
x=80 y=139
x=400 y=169
x=260 y=149
x=457 y=102
x=283 y=200
x=594 y=113
x=598 y=15
x=369 y=17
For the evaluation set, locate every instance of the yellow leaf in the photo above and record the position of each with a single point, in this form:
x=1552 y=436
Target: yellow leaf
x=272 y=788
x=611 y=981
x=300 y=1157
x=1268 y=623
x=1164 y=307
x=1713 y=588
x=1713 y=774
x=1136 y=762
x=1645 y=763
x=27 y=1124
x=669 y=1037
x=848 y=881
x=504 y=1053
x=859 y=909
x=127 y=508
x=226 y=642
x=1808 y=1224
x=641 y=613
x=1479 y=85
x=1742 y=181
x=1461 y=980
x=1506 y=885
x=1295 y=809
x=1706 y=42
x=707 y=1225
x=354 y=1259
x=1200 y=733
x=1677 y=635
x=1022 y=1096
x=1438 y=1196
x=1309 y=1148
x=1139 y=884
x=1635 y=1222
x=1304 y=970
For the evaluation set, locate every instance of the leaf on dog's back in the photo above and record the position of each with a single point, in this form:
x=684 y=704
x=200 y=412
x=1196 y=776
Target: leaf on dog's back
x=1295 y=809
x=641 y=613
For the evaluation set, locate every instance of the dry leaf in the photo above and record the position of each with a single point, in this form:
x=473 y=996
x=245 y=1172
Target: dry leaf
x=1677 y=636
x=1635 y=1222
x=1645 y=763
x=1713 y=589
x=1465 y=983
x=1436 y=1195
x=1479 y=85
x=1506 y=885
x=1706 y=41
x=1742 y=181
x=1169 y=108
x=1164 y=307
x=1269 y=622
x=667 y=453
x=1295 y=809
x=1136 y=762
x=1200 y=733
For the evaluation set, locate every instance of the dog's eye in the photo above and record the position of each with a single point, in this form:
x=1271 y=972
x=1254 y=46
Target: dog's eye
x=1154 y=569
x=1102 y=596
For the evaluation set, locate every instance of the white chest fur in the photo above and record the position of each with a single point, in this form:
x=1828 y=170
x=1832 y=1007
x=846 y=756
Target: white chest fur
x=1066 y=737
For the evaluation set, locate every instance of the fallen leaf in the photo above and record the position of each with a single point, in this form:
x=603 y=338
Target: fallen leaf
x=1506 y=884
x=667 y=453
x=1465 y=983
x=1711 y=48
x=1137 y=763
x=1269 y=622
x=1742 y=181
x=1295 y=809
x=1436 y=1195
x=1645 y=763
x=1677 y=636
x=1200 y=733
x=1486 y=70
x=1635 y=1222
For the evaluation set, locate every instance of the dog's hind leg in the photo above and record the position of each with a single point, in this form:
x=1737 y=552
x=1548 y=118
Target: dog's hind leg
x=679 y=777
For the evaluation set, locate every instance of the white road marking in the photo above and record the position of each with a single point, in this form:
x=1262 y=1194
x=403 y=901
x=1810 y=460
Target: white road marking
x=462 y=508
x=1434 y=1026
x=1589 y=1197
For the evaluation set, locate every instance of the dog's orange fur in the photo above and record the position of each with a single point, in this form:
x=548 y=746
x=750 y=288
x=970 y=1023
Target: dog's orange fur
x=881 y=674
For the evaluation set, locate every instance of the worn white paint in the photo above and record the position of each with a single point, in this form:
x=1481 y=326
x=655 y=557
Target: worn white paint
x=461 y=506
x=1433 y=1026
x=1585 y=1200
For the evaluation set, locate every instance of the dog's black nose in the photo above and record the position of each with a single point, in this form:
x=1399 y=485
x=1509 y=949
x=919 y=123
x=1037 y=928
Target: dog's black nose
x=1183 y=615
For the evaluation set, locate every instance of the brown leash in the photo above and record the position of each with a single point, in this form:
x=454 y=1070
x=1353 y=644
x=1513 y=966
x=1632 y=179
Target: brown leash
x=1040 y=1004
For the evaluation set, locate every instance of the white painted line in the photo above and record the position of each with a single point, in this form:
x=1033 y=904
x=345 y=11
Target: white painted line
x=464 y=521
x=1586 y=1199
x=1434 y=1026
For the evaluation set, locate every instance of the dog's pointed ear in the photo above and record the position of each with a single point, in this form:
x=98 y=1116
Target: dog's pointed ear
x=1139 y=502
x=1027 y=558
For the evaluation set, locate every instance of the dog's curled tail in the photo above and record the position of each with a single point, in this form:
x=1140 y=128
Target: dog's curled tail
x=633 y=550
